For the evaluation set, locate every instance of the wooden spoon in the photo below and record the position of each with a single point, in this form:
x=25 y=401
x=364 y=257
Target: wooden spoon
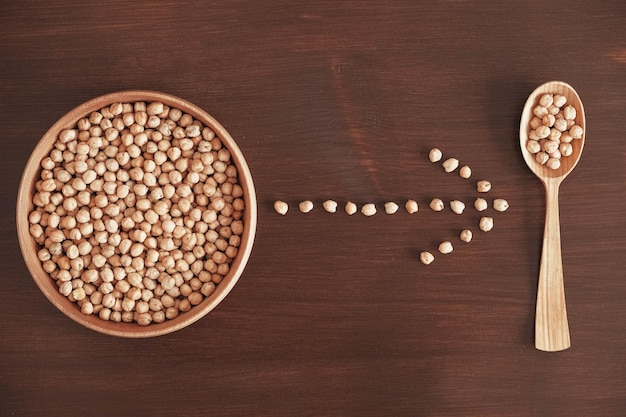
x=551 y=328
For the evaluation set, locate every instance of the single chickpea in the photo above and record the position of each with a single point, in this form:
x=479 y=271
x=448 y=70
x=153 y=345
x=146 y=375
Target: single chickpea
x=576 y=132
x=195 y=298
x=281 y=207
x=185 y=120
x=540 y=111
x=555 y=134
x=391 y=207
x=566 y=149
x=72 y=252
x=128 y=304
x=436 y=204
x=500 y=204
x=548 y=120
x=466 y=235
x=550 y=146
x=465 y=171
x=560 y=125
x=569 y=112
x=533 y=146
x=546 y=100
x=144 y=319
x=435 y=155
x=305 y=206
x=79 y=294
x=67 y=135
x=330 y=206
x=87 y=308
x=56 y=236
x=154 y=108
x=411 y=206
x=450 y=164
x=542 y=132
x=457 y=206
x=535 y=122
x=480 y=204
x=105 y=314
x=566 y=137
x=368 y=209
x=207 y=288
x=426 y=258
x=559 y=100
x=350 y=208
x=486 y=224
x=445 y=247
x=184 y=305
x=44 y=255
x=541 y=157
x=553 y=163
x=66 y=288
x=36 y=231
x=483 y=186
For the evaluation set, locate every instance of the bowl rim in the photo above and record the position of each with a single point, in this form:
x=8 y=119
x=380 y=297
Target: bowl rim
x=28 y=245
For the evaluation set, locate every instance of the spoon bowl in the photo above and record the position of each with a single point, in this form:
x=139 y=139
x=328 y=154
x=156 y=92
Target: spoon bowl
x=567 y=163
x=551 y=326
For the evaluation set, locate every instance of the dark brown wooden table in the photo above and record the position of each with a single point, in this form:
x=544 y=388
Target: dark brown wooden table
x=335 y=315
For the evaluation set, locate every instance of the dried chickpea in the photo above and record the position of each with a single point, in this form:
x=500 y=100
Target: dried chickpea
x=566 y=149
x=569 y=113
x=542 y=157
x=305 y=206
x=435 y=155
x=465 y=171
x=280 y=207
x=500 y=204
x=553 y=163
x=350 y=208
x=483 y=186
x=426 y=258
x=368 y=209
x=445 y=247
x=546 y=100
x=542 y=132
x=457 y=206
x=450 y=164
x=391 y=207
x=486 y=224
x=436 y=204
x=576 y=132
x=330 y=206
x=466 y=235
x=411 y=206
x=480 y=204
x=533 y=146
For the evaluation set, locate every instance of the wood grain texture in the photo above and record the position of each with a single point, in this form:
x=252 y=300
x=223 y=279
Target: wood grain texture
x=335 y=315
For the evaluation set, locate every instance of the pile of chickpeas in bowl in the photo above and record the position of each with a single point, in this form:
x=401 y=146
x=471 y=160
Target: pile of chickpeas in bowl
x=138 y=212
x=552 y=129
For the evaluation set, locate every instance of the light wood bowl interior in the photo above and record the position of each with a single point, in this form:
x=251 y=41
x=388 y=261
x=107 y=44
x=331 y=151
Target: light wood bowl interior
x=29 y=247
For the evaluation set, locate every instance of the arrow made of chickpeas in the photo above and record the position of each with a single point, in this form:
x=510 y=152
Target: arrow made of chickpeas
x=449 y=165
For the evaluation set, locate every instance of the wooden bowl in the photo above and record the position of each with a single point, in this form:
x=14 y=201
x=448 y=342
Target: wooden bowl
x=30 y=248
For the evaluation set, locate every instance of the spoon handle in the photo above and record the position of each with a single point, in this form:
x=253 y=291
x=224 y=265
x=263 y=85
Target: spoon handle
x=551 y=328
